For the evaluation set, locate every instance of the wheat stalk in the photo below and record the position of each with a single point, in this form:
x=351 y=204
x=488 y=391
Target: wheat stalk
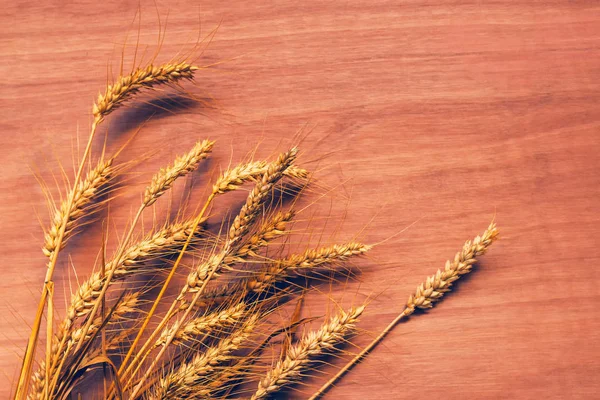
x=312 y=345
x=427 y=293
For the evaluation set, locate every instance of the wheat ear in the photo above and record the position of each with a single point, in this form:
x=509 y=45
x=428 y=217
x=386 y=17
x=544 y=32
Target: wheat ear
x=427 y=293
x=251 y=209
x=268 y=231
x=211 y=324
x=135 y=260
x=147 y=77
x=311 y=346
x=251 y=171
x=84 y=195
x=183 y=165
x=187 y=381
x=279 y=270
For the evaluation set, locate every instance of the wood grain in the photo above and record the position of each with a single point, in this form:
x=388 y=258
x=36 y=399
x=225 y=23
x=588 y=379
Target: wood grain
x=433 y=116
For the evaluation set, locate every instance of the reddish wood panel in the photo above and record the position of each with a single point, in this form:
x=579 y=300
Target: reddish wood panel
x=432 y=116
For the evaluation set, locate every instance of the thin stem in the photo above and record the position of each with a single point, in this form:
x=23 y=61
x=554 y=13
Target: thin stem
x=359 y=357
x=49 y=321
x=27 y=365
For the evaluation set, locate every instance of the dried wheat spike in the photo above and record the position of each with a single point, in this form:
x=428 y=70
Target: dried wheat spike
x=62 y=346
x=88 y=190
x=183 y=165
x=238 y=175
x=435 y=286
x=312 y=345
x=163 y=243
x=268 y=231
x=199 y=328
x=257 y=196
x=279 y=270
x=296 y=172
x=127 y=86
x=188 y=380
x=251 y=171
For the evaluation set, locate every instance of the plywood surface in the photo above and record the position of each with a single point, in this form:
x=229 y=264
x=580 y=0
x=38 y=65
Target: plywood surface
x=428 y=115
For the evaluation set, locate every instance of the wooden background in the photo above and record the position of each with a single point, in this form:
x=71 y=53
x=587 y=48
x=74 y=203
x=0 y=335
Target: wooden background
x=433 y=116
